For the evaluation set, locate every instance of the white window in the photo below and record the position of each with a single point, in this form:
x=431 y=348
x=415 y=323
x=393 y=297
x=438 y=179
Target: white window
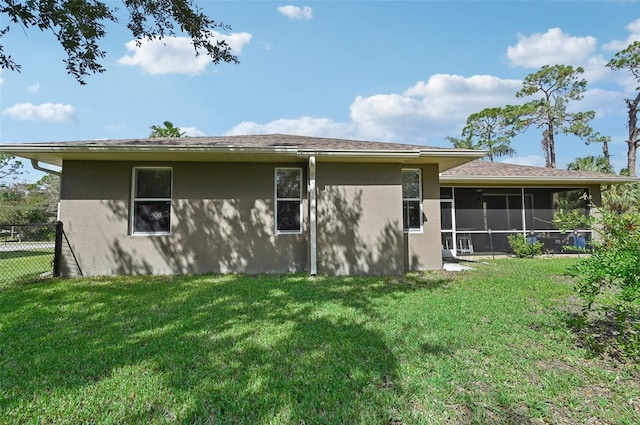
x=151 y=201
x=411 y=200
x=288 y=196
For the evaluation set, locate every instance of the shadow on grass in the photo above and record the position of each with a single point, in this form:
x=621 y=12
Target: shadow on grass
x=225 y=349
x=606 y=335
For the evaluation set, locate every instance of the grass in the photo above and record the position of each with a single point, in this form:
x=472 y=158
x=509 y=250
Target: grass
x=491 y=345
x=24 y=265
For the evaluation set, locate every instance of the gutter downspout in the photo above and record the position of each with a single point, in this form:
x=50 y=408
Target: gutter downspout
x=35 y=165
x=313 y=219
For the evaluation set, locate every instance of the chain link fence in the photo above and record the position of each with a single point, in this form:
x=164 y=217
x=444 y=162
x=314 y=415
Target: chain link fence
x=28 y=252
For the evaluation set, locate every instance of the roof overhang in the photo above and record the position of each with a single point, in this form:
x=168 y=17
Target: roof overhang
x=518 y=181
x=56 y=154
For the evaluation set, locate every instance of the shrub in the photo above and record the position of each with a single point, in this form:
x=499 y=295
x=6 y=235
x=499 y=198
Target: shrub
x=608 y=281
x=615 y=262
x=524 y=247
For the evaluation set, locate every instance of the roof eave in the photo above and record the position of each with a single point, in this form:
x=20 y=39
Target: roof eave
x=55 y=155
x=479 y=180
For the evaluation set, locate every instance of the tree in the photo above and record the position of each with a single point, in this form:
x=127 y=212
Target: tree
x=629 y=59
x=30 y=203
x=596 y=137
x=9 y=166
x=558 y=85
x=79 y=26
x=622 y=198
x=466 y=143
x=490 y=129
x=167 y=130
x=46 y=191
x=619 y=198
x=594 y=164
x=572 y=202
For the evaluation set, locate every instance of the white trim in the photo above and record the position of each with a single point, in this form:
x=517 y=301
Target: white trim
x=276 y=199
x=523 y=211
x=532 y=181
x=134 y=199
x=139 y=150
x=36 y=166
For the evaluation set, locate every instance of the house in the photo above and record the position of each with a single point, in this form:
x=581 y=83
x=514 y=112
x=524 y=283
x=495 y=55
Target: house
x=280 y=203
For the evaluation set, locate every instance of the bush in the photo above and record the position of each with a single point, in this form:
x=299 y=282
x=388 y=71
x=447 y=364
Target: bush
x=524 y=247
x=608 y=281
x=615 y=262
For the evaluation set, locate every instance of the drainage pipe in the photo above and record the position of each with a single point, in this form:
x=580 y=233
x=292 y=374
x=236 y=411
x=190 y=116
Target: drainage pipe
x=36 y=166
x=313 y=219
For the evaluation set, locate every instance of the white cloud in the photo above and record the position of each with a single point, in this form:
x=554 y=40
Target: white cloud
x=605 y=103
x=175 y=55
x=304 y=13
x=634 y=29
x=532 y=160
x=34 y=88
x=191 y=132
x=51 y=112
x=438 y=107
x=551 y=48
x=595 y=69
x=426 y=111
x=304 y=126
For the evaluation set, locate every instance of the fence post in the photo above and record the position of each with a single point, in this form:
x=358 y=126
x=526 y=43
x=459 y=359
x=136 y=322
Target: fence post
x=57 y=253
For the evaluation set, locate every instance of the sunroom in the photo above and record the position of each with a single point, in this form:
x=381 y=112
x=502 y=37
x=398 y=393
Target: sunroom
x=482 y=203
x=478 y=220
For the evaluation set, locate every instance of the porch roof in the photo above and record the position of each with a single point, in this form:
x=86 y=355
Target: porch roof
x=480 y=172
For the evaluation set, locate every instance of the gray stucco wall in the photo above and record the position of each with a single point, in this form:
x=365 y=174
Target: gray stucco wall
x=360 y=221
x=222 y=221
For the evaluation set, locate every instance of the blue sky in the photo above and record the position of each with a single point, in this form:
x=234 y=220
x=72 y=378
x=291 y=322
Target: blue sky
x=407 y=72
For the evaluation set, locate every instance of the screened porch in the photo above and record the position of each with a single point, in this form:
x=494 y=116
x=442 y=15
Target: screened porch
x=477 y=221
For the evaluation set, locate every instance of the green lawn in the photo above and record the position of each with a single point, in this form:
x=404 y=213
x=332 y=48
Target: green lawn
x=24 y=265
x=486 y=346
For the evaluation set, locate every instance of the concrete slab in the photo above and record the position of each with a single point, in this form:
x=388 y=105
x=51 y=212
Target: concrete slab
x=456 y=267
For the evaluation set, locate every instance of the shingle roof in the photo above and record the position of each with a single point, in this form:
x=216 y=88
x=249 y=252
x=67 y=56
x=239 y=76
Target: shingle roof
x=239 y=148
x=251 y=148
x=252 y=141
x=478 y=170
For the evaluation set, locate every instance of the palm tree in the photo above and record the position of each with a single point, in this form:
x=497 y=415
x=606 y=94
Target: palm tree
x=496 y=148
x=618 y=197
x=463 y=143
x=591 y=163
x=169 y=130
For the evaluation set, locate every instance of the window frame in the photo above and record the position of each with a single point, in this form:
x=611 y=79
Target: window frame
x=413 y=199
x=277 y=199
x=134 y=200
